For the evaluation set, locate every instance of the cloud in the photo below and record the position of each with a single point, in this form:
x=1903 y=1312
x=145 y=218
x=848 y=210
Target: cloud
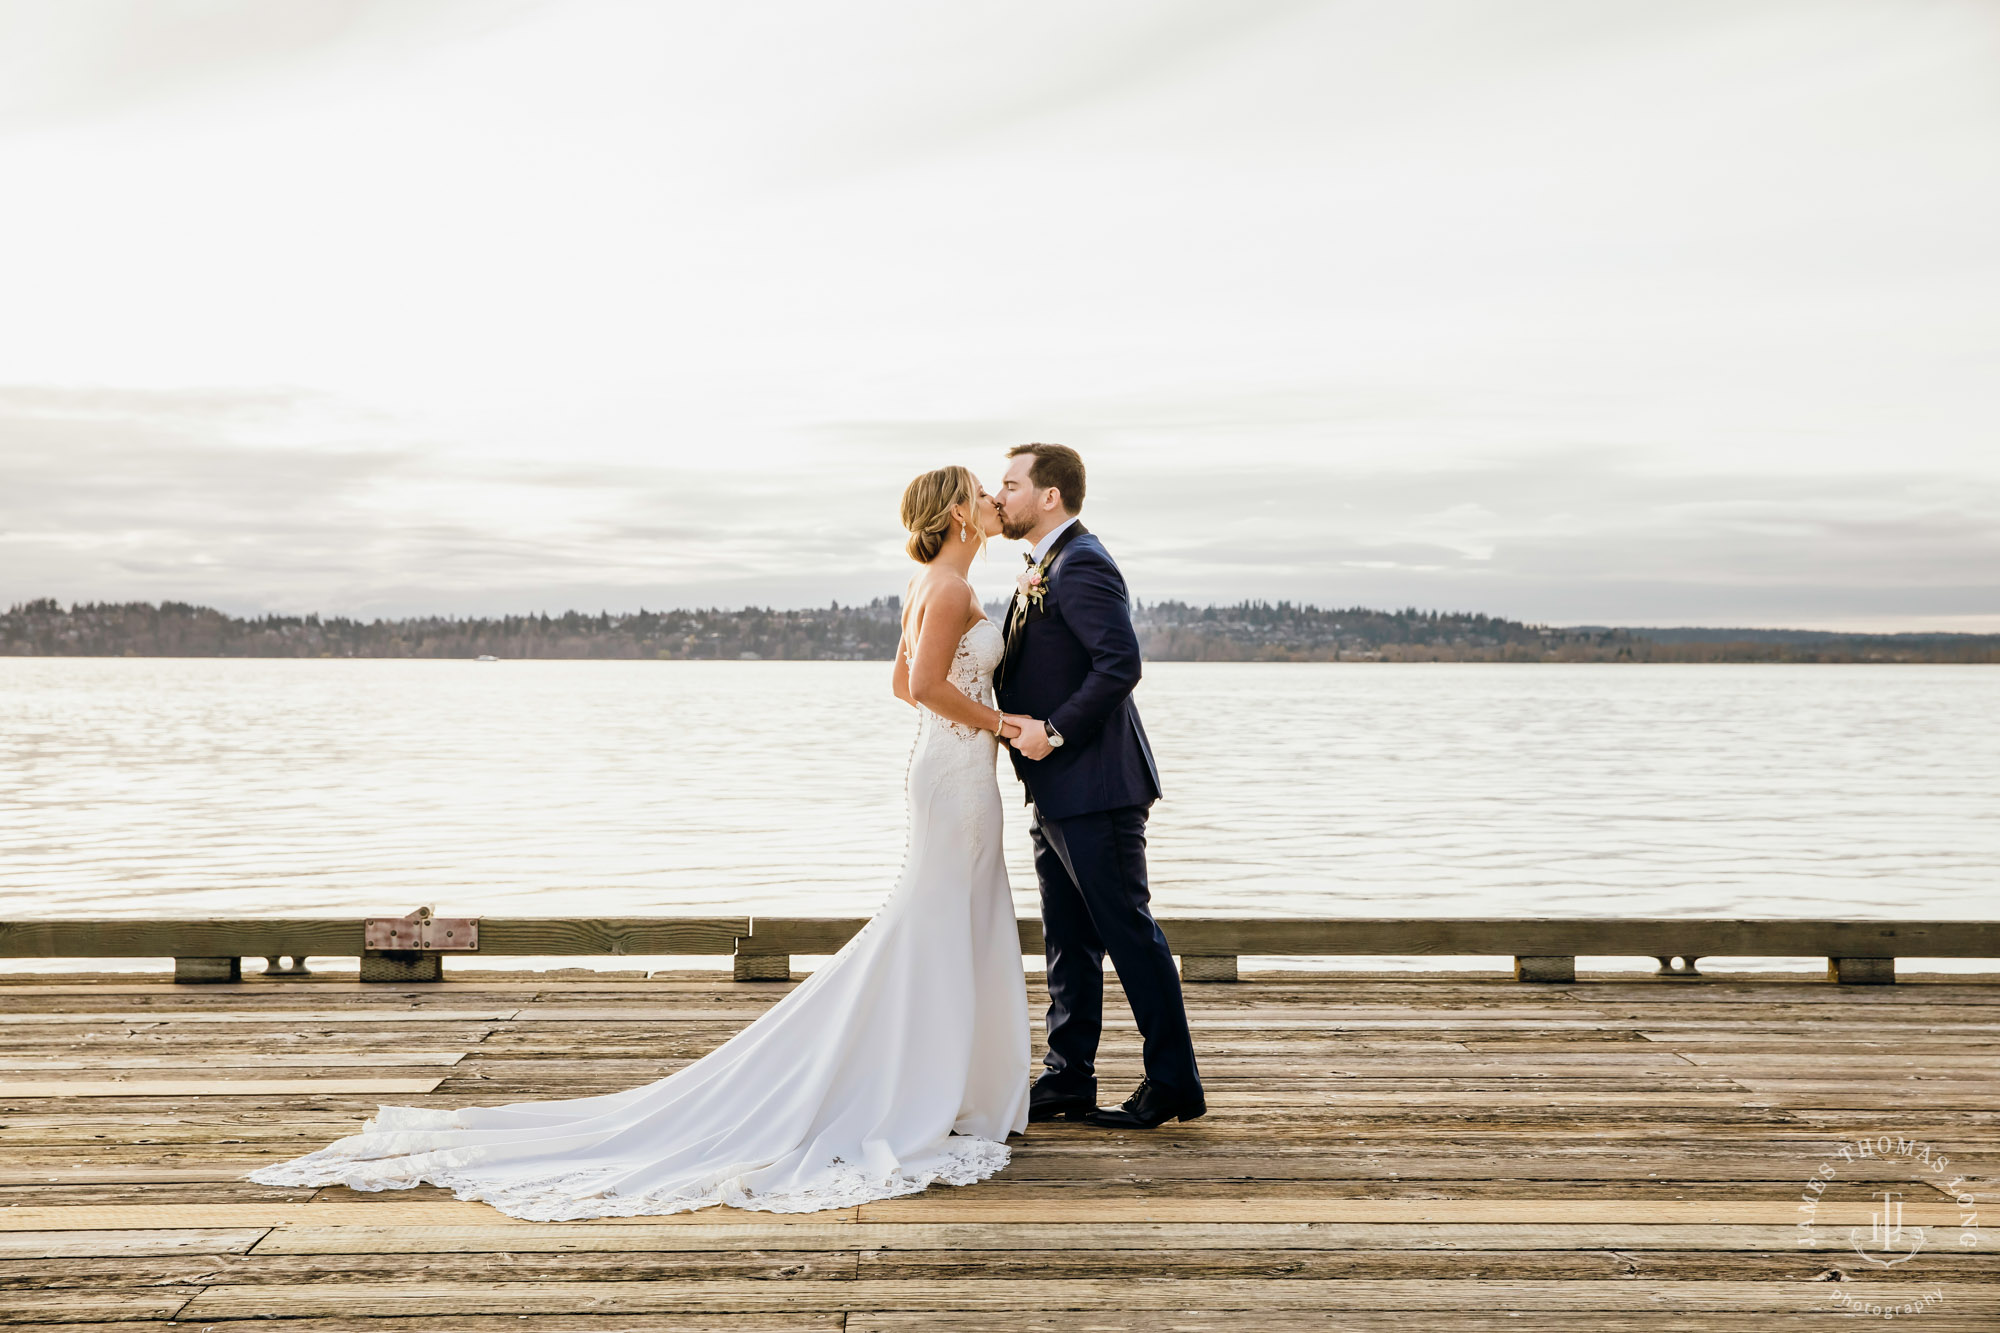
x=213 y=497
x=1571 y=536
x=83 y=59
x=255 y=502
x=1564 y=309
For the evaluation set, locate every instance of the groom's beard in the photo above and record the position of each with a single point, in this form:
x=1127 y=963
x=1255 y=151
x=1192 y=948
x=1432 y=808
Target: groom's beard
x=1012 y=530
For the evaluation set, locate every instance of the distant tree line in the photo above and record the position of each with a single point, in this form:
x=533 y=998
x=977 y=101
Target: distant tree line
x=1290 y=632
x=176 y=629
x=1168 y=632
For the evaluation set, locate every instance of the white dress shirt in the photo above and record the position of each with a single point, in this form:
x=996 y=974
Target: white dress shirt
x=1042 y=547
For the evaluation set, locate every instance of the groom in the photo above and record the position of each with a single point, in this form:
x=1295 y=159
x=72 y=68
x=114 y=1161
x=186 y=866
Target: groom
x=1070 y=664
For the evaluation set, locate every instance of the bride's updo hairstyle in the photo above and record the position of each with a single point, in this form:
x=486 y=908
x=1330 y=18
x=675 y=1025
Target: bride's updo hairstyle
x=927 y=503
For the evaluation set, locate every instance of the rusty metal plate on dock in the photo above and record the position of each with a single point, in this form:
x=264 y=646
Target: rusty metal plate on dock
x=420 y=930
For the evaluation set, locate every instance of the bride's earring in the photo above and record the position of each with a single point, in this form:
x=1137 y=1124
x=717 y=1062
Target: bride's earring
x=961 y=532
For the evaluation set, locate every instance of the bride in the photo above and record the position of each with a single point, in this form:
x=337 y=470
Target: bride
x=900 y=1064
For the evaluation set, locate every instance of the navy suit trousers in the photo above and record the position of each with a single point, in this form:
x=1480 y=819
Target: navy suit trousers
x=1092 y=869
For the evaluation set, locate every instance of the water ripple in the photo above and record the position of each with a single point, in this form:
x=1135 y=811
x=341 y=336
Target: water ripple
x=200 y=786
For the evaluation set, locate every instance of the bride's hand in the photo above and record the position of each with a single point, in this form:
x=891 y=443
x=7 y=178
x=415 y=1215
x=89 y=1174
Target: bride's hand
x=1010 y=725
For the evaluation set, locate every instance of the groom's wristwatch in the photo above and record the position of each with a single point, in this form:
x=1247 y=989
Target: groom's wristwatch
x=1055 y=737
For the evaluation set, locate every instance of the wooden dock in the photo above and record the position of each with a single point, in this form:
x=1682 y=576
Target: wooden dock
x=1381 y=1153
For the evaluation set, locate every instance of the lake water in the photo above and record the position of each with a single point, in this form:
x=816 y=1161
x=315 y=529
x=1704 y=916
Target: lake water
x=146 y=787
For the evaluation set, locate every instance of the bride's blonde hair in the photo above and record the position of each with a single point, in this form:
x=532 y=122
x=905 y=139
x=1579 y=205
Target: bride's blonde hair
x=927 y=503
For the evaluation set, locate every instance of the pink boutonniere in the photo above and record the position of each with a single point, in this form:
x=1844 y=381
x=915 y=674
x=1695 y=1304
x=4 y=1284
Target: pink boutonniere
x=1033 y=585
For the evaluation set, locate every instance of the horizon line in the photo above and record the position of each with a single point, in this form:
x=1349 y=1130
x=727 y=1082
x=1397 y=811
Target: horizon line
x=1140 y=604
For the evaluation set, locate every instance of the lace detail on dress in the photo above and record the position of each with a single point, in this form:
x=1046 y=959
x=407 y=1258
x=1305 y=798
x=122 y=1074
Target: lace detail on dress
x=955 y=761
x=575 y=1196
x=971 y=677
x=971 y=673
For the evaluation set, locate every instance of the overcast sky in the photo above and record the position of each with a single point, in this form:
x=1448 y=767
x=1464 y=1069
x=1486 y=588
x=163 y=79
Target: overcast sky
x=1613 y=311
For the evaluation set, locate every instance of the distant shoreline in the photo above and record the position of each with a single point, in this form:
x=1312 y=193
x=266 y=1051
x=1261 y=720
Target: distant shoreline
x=1168 y=631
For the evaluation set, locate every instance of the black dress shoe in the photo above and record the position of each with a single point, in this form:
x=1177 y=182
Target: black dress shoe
x=1046 y=1103
x=1149 y=1108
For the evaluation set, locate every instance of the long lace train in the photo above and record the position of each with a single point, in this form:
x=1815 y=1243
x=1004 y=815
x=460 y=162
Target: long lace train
x=900 y=1064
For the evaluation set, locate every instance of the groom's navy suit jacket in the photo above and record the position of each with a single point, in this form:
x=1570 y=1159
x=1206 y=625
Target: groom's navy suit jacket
x=1073 y=662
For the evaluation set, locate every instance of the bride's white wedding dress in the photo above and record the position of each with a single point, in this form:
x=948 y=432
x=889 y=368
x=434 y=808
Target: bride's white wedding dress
x=901 y=1063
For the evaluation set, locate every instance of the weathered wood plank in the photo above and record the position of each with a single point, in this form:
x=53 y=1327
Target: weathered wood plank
x=609 y=936
x=1470 y=1320
x=64 y=1194
x=948 y=1266
x=89 y=1244
x=808 y=1234
x=1436 y=1016
x=217 y=1087
x=216 y=937
x=663 y=1321
x=314 y=1059
x=498 y=980
x=210 y=1171
x=1643 y=937
x=318 y=1018
x=1467 y=1022
x=1491 y=937
x=260 y=1270
x=1208 y=937
x=1586 y=1264
x=944 y=1208
x=411 y=1298
x=1873 y=1063
x=1086 y=1237
x=327 y=937
x=44 y=1309
x=963 y=1206
x=380 y=1211
x=804 y=935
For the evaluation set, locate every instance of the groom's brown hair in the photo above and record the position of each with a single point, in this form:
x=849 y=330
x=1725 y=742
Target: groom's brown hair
x=1055 y=465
